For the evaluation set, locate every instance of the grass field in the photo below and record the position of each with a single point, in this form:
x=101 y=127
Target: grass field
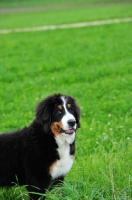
x=92 y=64
x=51 y=3
x=63 y=16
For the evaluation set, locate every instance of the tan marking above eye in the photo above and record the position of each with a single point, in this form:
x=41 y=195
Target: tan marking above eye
x=68 y=105
x=60 y=107
x=55 y=128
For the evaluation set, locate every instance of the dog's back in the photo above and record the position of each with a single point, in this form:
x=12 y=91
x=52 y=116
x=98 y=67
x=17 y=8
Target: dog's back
x=11 y=159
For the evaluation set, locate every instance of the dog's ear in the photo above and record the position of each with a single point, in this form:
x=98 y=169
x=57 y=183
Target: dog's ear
x=43 y=113
x=78 y=115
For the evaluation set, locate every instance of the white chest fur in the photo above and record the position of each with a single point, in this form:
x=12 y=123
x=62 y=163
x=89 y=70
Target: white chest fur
x=64 y=164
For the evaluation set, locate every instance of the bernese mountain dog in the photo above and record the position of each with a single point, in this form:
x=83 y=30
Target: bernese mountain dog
x=42 y=153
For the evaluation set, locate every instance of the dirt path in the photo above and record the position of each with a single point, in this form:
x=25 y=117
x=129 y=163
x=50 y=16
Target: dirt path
x=65 y=26
x=44 y=8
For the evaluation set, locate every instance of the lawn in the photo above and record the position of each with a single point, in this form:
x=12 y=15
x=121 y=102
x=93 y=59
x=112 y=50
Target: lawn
x=92 y=64
x=52 y=3
x=63 y=16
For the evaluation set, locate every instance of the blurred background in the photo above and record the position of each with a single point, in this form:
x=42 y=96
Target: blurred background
x=42 y=53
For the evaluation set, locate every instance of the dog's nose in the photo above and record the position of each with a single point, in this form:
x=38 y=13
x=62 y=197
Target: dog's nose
x=71 y=122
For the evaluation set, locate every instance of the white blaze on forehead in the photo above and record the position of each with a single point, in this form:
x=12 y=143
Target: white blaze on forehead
x=67 y=115
x=64 y=101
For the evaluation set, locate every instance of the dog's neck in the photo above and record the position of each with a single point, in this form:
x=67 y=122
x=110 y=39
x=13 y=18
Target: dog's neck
x=63 y=139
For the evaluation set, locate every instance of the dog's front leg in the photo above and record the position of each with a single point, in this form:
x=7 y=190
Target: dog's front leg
x=58 y=182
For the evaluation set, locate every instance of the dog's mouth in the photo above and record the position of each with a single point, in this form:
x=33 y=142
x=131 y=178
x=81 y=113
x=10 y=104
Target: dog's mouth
x=68 y=131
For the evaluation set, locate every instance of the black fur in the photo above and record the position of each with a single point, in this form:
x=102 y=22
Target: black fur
x=27 y=154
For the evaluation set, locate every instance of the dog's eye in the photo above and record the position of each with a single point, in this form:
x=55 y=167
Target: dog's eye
x=70 y=109
x=59 y=112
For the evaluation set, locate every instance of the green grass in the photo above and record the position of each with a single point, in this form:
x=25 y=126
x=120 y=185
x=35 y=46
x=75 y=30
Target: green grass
x=33 y=3
x=64 y=16
x=93 y=64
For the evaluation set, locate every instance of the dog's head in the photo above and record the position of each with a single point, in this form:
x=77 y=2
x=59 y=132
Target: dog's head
x=59 y=113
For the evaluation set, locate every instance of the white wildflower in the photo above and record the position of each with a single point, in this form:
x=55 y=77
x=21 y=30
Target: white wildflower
x=105 y=137
x=109 y=115
x=121 y=126
x=114 y=143
x=123 y=79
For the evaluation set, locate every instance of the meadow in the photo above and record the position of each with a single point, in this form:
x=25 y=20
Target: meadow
x=92 y=64
x=51 y=3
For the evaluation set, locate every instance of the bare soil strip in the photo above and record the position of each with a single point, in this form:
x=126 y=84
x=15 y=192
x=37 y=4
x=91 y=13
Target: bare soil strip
x=65 y=26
